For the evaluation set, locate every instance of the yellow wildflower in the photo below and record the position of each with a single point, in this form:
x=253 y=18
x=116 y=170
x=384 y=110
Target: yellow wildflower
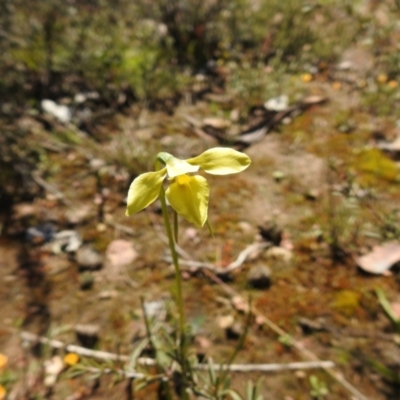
x=188 y=194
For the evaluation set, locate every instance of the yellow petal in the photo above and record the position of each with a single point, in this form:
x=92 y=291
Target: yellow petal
x=175 y=166
x=221 y=161
x=188 y=196
x=144 y=190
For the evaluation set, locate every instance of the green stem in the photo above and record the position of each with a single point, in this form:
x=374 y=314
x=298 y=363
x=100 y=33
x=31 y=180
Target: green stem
x=175 y=260
x=182 y=356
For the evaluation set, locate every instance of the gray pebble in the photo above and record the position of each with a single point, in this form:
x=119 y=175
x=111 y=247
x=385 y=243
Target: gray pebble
x=259 y=277
x=88 y=258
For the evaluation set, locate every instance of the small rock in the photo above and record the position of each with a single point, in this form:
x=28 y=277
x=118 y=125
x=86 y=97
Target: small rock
x=82 y=97
x=61 y=112
x=270 y=232
x=41 y=233
x=120 y=253
x=234 y=115
x=235 y=331
x=101 y=227
x=52 y=368
x=97 y=163
x=279 y=253
x=202 y=342
x=279 y=103
x=312 y=194
x=259 y=277
x=225 y=321
x=191 y=233
x=79 y=98
x=107 y=294
x=88 y=258
x=240 y=304
x=309 y=326
x=155 y=309
x=278 y=176
x=344 y=65
x=246 y=227
x=68 y=241
x=87 y=334
x=232 y=328
x=77 y=215
x=300 y=375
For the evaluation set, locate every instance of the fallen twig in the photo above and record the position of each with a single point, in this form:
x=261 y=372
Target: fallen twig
x=270 y=367
x=242 y=257
x=144 y=361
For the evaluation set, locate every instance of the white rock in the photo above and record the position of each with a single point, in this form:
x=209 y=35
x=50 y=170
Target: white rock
x=279 y=103
x=279 y=253
x=61 y=112
x=225 y=321
x=52 y=368
x=68 y=241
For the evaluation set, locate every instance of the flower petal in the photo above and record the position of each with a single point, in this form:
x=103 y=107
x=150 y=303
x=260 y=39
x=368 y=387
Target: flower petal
x=175 y=166
x=221 y=161
x=188 y=196
x=144 y=190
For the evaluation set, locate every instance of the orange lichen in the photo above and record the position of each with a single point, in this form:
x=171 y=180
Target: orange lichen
x=3 y=392
x=306 y=78
x=71 y=359
x=3 y=361
x=382 y=78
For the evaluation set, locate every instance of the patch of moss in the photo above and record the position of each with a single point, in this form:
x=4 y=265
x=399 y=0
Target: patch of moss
x=375 y=165
x=346 y=302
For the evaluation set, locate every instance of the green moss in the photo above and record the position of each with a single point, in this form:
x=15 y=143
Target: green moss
x=346 y=302
x=375 y=165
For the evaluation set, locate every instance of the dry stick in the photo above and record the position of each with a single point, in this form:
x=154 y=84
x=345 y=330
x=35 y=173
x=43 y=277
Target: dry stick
x=242 y=257
x=269 y=367
x=104 y=355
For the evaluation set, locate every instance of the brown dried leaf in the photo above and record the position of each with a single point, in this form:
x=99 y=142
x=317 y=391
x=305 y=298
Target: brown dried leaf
x=380 y=259
x=396 y=309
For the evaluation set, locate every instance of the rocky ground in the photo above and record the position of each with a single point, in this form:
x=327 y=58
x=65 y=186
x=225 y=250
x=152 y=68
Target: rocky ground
x=302 y=235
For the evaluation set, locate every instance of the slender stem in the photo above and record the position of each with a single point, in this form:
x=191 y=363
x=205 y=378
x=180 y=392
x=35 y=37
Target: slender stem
x=175 y=260
x=179 y=299
x=176 y=226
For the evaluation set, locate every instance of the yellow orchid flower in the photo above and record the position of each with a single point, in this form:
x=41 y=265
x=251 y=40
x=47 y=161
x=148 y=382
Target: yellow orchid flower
x=188 y=194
